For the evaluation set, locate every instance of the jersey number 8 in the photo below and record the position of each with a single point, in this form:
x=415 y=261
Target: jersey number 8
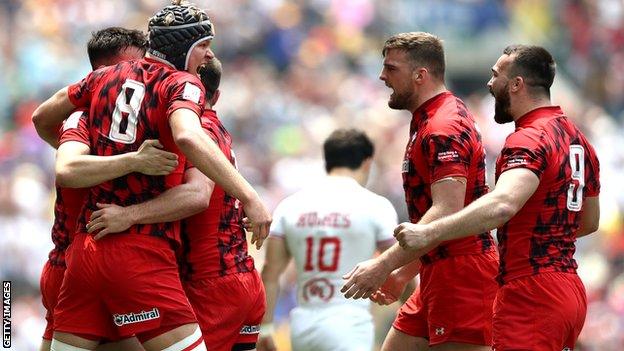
x=125 y=117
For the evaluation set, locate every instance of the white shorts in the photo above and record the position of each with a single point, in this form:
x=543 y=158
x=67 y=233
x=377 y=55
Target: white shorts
x=333 y=328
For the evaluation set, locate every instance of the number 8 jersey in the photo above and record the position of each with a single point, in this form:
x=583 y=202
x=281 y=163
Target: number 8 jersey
x=540 y=237
x=329 y=228
x=129 y=103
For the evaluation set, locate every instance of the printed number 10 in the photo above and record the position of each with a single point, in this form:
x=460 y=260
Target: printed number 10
x=321 y=247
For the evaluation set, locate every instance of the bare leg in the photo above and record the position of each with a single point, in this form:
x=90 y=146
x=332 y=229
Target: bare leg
x=185 y=334
x=396 y=340
x=131 y=344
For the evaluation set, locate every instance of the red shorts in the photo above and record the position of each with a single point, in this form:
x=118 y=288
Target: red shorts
x=454 y=302
x=229 y=308
x=121 y=285
x=540 y=312
x=50 y=285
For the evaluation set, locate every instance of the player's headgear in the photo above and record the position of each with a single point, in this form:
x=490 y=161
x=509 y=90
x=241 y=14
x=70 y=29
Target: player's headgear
x=175 y=30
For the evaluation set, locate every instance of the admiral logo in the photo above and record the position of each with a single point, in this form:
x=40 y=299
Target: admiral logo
x=250 y=329
x=130 y=318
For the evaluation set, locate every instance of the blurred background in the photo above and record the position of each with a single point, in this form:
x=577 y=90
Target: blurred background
x=295 y=70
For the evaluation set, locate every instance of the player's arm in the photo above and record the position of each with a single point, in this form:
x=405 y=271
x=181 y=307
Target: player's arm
x=276 y=260
x=76 y=168
x=49 y=116
x=590 y=217
x=208 y=158
x=447 y=197
x=490 y=211
x=176 y=203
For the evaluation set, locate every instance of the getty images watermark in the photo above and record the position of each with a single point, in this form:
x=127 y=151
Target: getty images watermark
x=6 y=314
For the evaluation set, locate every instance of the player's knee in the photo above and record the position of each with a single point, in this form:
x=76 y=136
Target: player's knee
x=61 y=346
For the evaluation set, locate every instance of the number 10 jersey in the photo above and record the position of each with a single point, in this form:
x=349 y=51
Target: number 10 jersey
x=330 y=227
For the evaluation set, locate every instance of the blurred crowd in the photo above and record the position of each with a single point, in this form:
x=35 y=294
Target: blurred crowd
x=294 y=70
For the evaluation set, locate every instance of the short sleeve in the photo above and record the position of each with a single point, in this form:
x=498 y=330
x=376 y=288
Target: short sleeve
x=385 y=220
x=278 y=227
x=523 y=151
x=447 y=156
x=79 y=94
x=75 y=128
x=183 y=90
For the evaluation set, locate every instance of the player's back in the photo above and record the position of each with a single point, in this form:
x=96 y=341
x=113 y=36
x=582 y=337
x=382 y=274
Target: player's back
x=541 y=236
x=329 y=227
x=130 y=103
x=214 y=240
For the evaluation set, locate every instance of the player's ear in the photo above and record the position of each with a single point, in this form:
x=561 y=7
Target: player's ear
x=418 y=74
x=517 y=83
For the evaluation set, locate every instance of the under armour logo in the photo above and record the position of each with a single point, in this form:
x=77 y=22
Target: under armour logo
x=566 y=349
x=439 y=331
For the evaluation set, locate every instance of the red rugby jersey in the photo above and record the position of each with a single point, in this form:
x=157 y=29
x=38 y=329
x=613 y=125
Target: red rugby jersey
x=214 y=241
x=129 y=103
x=444 y=142
x=540 y=237
x=67 y=207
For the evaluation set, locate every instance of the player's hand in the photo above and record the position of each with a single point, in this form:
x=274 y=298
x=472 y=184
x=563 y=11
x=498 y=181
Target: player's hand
x=390 y=291
x=265 y=343
x=258 y=221
x=414 y=236
x=108 y=219
x=150 y=159
x=365 y=279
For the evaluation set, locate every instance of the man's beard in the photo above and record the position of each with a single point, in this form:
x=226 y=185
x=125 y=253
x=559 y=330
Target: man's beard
x=502 y=106
x=400 y=101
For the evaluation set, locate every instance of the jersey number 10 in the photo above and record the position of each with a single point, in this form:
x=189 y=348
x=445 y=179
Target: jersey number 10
x=126 y=114
x=321 y=261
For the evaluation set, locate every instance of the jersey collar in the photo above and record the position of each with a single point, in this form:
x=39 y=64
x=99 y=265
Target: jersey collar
x=540 y=112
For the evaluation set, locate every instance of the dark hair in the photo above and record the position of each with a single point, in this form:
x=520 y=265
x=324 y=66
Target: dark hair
x=422 y=48
x=106 y=43
x=210 y=75
x=534 y=64
x=347 y=148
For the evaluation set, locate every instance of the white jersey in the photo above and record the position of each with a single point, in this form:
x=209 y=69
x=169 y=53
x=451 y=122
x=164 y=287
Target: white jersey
x=329 y=228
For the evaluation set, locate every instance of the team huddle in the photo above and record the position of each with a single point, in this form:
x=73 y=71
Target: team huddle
x=151 y=215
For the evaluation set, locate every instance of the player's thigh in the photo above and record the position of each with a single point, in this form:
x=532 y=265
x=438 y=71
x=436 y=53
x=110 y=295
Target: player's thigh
x=45 y=345
x=188 y=334
x=131 y=344
x=396 y=340
x=67 y=340
x=453 y=346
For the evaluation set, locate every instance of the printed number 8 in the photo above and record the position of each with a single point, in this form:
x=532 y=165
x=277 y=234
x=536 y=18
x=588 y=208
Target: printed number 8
x=125 y=117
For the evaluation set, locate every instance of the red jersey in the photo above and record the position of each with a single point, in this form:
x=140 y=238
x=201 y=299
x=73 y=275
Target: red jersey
x=444 y=142
x=540 y=237
x=128 y=104
x=214 y=241
x=66 y=210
